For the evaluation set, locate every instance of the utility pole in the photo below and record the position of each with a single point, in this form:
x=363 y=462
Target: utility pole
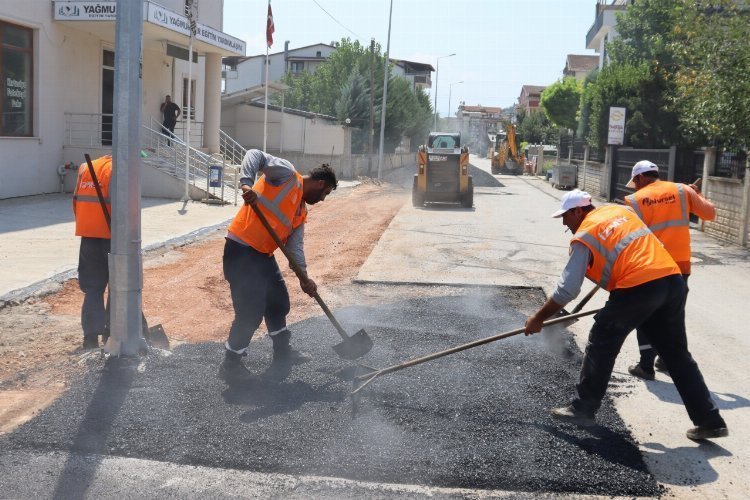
x=371 y=130
x=125 y=265
x=386 y=70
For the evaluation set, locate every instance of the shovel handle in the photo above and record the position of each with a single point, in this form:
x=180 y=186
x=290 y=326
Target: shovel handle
x=367 y=378
x=301 y=274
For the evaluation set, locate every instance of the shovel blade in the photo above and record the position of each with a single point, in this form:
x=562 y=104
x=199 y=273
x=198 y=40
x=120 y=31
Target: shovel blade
x=157 y=337
x=355 y=346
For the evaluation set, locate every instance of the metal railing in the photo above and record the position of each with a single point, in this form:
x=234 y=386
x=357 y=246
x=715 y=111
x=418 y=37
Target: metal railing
x=169 y=154
x=230 y=149
x=88 y=129
x=196 y=131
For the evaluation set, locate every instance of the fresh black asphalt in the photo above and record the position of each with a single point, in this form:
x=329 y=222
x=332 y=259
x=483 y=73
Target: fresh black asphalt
x=477 y=419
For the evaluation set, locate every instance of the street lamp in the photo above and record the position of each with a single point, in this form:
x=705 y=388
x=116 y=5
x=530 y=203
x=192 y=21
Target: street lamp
x=437 y=70
x=450 y=89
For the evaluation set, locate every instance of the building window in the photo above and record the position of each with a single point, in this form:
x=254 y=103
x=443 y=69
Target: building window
x=297 y=67
x=318 y=54
x=16 y=63
x=185 y=99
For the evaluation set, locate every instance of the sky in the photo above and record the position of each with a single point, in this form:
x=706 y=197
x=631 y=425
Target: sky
x=500 y=45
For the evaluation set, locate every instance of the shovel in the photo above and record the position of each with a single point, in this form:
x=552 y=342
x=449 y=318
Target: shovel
x=361 y=381
x=155 y=335
x=351 y=348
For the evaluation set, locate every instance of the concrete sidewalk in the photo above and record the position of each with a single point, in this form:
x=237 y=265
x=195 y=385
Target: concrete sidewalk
x=38 y=246
x=509 y=239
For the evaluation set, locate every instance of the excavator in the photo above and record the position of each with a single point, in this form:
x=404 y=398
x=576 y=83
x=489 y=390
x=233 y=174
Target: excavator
x=506 y=159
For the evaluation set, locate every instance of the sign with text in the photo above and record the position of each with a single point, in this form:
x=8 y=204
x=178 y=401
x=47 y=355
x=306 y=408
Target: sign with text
x=85 y=11
x=616 y=134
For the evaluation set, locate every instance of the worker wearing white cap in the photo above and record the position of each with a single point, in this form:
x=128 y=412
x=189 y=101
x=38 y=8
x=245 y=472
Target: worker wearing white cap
x=665 y=207
x=613 y=247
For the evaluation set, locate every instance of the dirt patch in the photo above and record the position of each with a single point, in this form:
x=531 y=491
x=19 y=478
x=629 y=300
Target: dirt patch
x=185 y=291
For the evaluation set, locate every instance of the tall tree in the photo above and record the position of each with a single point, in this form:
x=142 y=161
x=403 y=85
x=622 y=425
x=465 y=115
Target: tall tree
x=560 y=102
x=712 y=94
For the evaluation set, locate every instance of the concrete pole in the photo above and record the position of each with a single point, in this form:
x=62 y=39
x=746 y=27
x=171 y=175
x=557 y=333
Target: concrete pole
x=709 y=166
x=212 y=103
x=125 y=266
x=386 y=71
x=744 y=215
x=186 y=195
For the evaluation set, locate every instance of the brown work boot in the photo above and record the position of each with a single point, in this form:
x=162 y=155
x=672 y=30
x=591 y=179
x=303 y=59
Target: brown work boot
x=573 y=415
x=708 y=431
x=638 y=371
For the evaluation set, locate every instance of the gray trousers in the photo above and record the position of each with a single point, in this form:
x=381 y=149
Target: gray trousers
x=93 y=277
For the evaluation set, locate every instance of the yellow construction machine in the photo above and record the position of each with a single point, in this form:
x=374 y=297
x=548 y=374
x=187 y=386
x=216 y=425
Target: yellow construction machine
x=443 y=172
x=506 y=159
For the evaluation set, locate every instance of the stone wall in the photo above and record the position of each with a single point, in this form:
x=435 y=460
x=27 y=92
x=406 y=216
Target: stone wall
x=348 y=167
x=726 y=194
x=592 y=178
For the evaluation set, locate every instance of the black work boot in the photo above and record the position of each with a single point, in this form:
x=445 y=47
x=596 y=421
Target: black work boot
x=90 y=342
x=233 y=371
x=283 y=352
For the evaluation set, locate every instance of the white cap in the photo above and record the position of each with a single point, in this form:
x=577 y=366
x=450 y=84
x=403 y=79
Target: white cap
x=639 y=168
x=573 y=199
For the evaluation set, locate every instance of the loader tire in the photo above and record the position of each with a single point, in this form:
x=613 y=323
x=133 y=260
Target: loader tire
x=417 y=198
x=467 y=200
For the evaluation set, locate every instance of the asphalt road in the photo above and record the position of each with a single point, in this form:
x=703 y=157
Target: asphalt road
x=478 y=419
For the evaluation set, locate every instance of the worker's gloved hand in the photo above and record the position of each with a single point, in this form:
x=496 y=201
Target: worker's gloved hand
x=250 y=197
x=308 y=286
x=533 y=325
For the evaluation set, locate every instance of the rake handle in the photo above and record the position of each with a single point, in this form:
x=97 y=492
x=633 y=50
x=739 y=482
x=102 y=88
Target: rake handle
x=301 y=274
x=371 y=376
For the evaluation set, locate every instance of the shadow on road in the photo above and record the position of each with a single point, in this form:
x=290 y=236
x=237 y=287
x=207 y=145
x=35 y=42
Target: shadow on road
x=676 y=459
x=96 y=426
x=667 y=392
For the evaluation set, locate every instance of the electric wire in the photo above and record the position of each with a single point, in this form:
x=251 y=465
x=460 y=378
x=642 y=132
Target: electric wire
x=336 y=20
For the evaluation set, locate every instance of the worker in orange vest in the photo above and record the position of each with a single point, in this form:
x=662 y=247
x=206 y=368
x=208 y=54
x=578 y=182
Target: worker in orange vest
x=612 y=247
x=93 y=265
x=665 y=207
x=257 y=286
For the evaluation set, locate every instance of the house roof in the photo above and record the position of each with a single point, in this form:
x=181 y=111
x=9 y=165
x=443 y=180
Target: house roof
x=236 y=60
x=581 y=62
x=533 y=89
x=418 y=66
x=481 y=109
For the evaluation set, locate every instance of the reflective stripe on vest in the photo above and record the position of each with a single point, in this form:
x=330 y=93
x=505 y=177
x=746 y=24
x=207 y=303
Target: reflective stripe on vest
x=89 y=199
x=610 y=256
x=624 y=252
x=273 y=205
x=684 y=219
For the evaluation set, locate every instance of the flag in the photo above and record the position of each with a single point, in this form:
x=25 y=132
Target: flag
x=269 y=26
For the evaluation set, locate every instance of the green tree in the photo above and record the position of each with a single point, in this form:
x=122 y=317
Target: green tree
x=535 y=128
x=585 y=105
x=712 y=94
x=560 y=102
x=340 y=87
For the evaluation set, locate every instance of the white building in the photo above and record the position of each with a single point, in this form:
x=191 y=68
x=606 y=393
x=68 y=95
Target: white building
x=247 y=72
x=57 y=74
x=604 y=29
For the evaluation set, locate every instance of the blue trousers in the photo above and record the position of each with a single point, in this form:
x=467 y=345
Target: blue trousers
x=657 y=308
x=93 y=277
x=258 y=292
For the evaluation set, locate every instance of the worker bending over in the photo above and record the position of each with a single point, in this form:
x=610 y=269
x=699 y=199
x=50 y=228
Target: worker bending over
x=665 y=207
x=257 y=287
x=612 y=247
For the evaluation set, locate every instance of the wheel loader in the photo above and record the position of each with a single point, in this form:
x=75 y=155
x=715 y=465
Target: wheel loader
x=443 y=172
x=506 y=159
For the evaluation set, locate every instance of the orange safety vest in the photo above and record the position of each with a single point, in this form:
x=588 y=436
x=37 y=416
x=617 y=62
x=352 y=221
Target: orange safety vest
x=625 y=253
x=282 y=205
x=665 y=209
x=90 y=221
